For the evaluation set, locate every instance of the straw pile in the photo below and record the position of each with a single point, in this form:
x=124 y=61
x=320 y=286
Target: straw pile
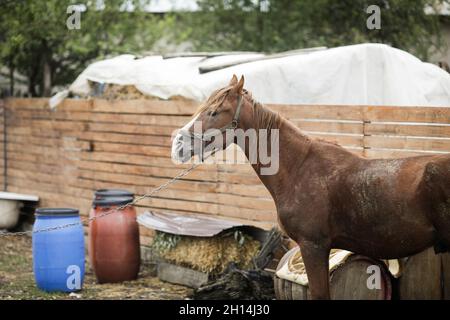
x=111 y=91
x=114 y=91
x=213 y=254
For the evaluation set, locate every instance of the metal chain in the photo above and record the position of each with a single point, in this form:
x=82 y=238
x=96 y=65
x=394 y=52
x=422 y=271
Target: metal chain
x=111 y=211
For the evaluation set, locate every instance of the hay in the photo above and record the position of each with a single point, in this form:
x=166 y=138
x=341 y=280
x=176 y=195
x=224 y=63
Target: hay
x=112 y=91
x=213 y=254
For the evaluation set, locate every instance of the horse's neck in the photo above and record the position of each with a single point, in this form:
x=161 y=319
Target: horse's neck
x=293 y=147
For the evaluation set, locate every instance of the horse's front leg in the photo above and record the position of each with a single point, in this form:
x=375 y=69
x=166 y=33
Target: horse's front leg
x=315 y=258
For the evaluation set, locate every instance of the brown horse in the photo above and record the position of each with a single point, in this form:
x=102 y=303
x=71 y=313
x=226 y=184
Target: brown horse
x=327 y=197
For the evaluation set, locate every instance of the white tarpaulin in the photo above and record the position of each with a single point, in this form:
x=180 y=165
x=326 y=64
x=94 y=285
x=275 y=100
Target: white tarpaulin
x=366 y=74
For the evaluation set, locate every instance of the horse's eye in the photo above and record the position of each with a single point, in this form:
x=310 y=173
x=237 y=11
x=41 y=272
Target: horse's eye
x=214 y=113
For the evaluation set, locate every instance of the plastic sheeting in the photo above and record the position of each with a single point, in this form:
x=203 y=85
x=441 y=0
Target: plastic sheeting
x=366 y=74
x=185 y=225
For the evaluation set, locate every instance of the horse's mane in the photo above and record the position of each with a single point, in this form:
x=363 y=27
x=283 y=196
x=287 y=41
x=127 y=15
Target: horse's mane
x=264 y=117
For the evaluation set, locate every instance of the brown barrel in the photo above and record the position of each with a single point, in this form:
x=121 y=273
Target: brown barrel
x=421 y=277
x=347 y=282
x=114 y=249
x=287 y=290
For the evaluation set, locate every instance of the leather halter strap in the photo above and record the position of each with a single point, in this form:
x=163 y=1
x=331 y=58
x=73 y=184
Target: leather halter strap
x=232 y=125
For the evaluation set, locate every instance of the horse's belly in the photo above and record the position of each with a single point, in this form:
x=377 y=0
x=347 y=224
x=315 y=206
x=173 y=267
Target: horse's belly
x=385 y=233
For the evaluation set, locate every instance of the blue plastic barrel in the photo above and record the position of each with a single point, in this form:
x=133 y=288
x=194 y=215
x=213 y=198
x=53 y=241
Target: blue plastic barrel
x=58 y=255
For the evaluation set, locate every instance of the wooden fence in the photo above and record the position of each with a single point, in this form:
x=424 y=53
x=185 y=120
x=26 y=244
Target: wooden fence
x=64 y=155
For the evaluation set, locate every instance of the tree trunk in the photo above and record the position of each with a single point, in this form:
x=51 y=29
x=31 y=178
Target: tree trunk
x=47 y=78
x=11 y=78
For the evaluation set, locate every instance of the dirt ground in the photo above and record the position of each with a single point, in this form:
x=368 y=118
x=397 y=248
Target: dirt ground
x=17 y=280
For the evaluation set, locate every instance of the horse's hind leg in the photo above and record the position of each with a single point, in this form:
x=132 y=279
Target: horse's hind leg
x=315 y=258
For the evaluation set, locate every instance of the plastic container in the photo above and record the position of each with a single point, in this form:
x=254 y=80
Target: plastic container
x=58 y=255
x=112 y=193
x=114 y=249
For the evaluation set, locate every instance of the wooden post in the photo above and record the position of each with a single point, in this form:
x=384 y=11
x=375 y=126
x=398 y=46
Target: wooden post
x=421 y=278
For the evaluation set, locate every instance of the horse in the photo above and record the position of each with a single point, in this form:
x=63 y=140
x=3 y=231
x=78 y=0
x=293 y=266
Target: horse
x=328 y=197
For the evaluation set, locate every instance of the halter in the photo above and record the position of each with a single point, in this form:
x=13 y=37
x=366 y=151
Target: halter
x=232 y=125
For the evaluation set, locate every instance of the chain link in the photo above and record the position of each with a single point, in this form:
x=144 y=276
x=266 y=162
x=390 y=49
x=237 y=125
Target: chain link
x=111 y=211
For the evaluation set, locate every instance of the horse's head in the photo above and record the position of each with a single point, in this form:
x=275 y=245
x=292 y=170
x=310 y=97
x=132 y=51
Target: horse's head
x=207 y=129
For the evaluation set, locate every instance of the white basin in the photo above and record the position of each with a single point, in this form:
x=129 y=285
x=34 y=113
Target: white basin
x=9 y=213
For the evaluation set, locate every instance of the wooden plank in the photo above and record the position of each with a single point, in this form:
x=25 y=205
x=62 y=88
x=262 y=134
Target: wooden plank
x=210 y=209
x=157 y=151
x=49 y=199
x=319 y=111
x=132 y=128
x=257 y=191
x=17 y=103
x=421 y=278
x=139 y=139
x=160 y=120
x=407 y=129
x=412 y=143
x=446 y=275
x=407 y=114
x=235 y=200
x=146 y=106
x=350 y=140
x=51 y=124
x=181 y=275
x=75 y=105
x=387 y=153
x=52 y=115
x=148 y=169
x=329 y=126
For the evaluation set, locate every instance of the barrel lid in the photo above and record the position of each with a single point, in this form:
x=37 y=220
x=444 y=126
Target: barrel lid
x=112 y=201
x=103 y=193
x=56 y=212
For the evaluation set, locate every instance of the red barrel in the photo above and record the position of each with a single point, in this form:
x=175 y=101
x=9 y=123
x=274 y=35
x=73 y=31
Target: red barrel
x=114 y=249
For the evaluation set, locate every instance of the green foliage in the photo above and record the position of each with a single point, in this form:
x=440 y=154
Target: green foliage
x=35 y=41
x=287 y=24
x=34 y=33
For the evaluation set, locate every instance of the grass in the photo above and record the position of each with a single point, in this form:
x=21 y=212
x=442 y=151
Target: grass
x=17 y=280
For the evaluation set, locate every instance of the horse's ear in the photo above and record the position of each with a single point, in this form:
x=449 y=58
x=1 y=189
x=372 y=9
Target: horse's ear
x=240 y=85
x=234 y=80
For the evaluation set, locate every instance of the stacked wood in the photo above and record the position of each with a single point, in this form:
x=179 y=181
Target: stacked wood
x=83 y=145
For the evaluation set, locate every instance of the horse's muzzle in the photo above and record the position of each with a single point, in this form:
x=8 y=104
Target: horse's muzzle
x=182 y=148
